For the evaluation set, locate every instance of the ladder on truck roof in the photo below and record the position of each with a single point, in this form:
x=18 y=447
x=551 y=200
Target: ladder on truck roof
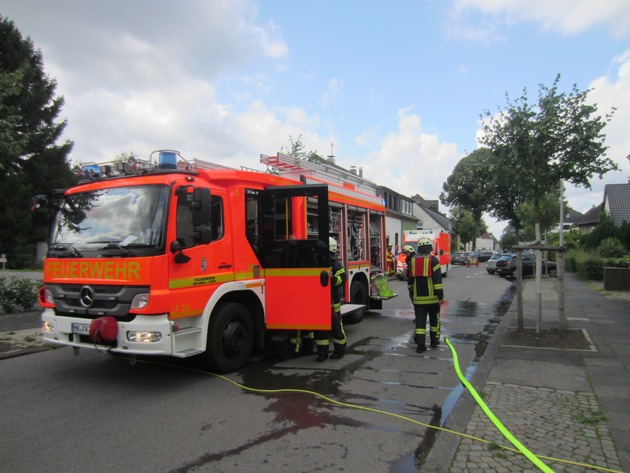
x=207 y=165
x=291 y=165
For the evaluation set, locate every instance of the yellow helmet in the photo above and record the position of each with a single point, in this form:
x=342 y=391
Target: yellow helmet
x=408 y=249
x=424 y=241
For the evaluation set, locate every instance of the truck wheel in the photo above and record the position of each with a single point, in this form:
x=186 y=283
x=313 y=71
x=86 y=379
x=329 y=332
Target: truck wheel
x=358 y=295
x=230 y=338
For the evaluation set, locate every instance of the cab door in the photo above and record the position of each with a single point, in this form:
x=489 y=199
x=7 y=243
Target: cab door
x=294 y=255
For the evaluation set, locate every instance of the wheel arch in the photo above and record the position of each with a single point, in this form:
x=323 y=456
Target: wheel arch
x=253 y=304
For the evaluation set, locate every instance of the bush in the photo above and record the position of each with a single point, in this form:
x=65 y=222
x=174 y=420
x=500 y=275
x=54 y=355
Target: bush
x=611 y=248
x=18 y=294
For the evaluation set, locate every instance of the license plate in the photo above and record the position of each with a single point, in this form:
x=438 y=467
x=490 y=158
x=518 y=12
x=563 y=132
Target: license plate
x=82 y=329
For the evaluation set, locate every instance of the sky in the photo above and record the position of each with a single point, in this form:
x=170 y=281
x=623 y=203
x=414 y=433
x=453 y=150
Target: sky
x=396 y=88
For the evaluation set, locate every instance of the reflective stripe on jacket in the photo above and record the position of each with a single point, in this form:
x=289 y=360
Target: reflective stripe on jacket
x=425 y=280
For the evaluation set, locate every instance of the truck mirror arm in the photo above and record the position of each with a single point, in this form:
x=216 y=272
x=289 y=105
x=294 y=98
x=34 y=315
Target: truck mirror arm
x=180 y=257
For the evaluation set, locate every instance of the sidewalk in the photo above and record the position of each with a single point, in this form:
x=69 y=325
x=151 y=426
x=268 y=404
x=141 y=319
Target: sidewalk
x=571 y=405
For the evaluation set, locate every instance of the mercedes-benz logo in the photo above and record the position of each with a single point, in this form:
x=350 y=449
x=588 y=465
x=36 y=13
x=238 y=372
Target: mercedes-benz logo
x=86 y=296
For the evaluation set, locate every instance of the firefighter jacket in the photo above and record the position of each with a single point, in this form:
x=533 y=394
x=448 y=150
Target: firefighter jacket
x=337 y=280
x=424 y=280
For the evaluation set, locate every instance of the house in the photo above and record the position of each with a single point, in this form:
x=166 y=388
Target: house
x=617 y=202
x=487 y=242
x=589 y=220
x=399 y=215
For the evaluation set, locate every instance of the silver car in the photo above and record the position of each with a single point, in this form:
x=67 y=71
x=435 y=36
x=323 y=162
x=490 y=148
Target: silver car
x=491 y=264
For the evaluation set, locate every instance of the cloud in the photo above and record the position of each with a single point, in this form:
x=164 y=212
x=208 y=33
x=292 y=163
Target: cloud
x=609 y=92
x=409 y=160
x=334 y=91
x=568 y=17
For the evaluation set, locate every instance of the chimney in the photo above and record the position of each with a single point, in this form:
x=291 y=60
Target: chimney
x=360 y=172
x=353 y=170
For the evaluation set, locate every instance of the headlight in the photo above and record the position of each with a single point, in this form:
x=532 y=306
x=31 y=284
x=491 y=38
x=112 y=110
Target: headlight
x=140 y=301
x=144 y=337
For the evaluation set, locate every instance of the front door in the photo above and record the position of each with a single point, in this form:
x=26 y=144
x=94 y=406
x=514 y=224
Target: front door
x=295 y=257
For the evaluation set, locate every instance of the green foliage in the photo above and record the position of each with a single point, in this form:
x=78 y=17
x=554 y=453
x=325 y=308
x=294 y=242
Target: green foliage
x=469 y=187
x=536 y=146
x=548 y=214
x=467 y=228
x=572 y=239
x=590 y=266
x=508 y=240
x=30 y=161
x=605 y=229
x=611 y=248
x=18 y=294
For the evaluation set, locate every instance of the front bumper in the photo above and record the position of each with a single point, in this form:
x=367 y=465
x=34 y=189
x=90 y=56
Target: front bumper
x=59 y=330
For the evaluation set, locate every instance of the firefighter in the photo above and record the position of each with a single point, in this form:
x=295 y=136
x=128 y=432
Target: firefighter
x=409 y=253
x=322 y=337
x=389 y=257
x=424 y=281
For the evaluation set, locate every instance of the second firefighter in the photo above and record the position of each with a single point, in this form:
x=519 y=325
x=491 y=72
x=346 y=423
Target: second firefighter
x=337 y=282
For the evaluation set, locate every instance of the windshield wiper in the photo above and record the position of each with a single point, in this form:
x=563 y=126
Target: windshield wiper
x=66 y=247
x=116 y=245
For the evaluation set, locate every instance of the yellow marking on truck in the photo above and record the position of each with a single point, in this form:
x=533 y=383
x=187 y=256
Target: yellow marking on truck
x=200 y=280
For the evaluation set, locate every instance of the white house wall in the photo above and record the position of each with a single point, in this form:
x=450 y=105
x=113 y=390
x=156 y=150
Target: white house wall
x=393 y=226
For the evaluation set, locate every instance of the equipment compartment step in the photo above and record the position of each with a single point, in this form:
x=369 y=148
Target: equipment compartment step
x=187 y=330
x=351 y=308
x=188 y=352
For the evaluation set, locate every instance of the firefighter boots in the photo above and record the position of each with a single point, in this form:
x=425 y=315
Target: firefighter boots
x=322 y=353
x=338 y=351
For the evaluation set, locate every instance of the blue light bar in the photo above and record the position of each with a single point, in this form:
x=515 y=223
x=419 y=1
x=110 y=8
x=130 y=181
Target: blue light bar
x=167 y=160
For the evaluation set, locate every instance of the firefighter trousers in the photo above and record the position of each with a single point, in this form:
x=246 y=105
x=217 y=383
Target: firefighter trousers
x=322 y=337
x=301 y=342
x=433 y=312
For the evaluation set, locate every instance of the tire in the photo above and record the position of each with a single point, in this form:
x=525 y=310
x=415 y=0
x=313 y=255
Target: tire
x=552 y=272
x=230 y=338
x=358 y=295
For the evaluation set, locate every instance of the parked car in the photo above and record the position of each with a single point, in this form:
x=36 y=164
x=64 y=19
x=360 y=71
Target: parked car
x=459 y=258
x=508 y=270
x=491 y=264
x=502 y=263
x=484 y=256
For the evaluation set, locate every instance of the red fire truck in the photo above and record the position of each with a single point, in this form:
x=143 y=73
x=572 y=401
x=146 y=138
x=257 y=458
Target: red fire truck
x=174 y=258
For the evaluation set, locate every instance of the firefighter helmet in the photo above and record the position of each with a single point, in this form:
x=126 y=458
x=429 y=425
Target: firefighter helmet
x=408 y=249
x=425 y=245
x=332 y=245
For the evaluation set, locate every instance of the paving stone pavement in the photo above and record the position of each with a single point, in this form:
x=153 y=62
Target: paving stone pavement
x=568 y=407
x=573 y=430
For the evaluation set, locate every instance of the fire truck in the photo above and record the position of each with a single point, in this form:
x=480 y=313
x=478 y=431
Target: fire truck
x=441 y=249
x=174 y=258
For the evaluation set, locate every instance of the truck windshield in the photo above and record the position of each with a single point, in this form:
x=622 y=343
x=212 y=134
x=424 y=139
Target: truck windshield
x=120 y=221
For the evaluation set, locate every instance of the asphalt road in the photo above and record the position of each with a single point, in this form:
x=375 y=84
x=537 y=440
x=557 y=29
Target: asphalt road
x=100 y=413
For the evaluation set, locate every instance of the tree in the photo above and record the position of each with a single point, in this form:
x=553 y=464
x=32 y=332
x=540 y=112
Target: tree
x=549 y=215
x=540 y=146
x=537 y=146
x=467 y=227
x=30 y=161
x=298 y=150
x=470 y=187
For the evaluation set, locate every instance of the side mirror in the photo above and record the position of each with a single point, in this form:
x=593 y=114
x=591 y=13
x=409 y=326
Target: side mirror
x=201 y=206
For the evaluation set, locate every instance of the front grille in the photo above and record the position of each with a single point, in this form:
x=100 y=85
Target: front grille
x=93 y=300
